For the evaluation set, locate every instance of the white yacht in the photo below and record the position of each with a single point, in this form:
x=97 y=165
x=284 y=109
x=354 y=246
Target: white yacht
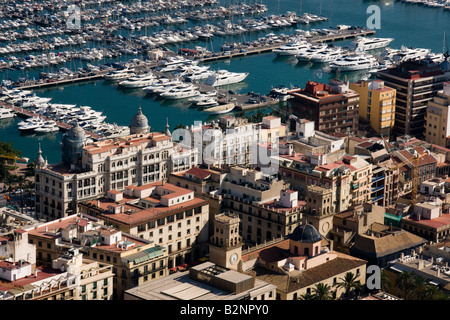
x=203 y=96
x=48 y=127
x=180 y=93
x=31 y=124
x=405 y=54
x=292 y=48
x=161 y=84
x=307 y=54
x=6 y=113
x=328 y=55
x=354 y=62
x=364 y=43
x=138 y=81
x=224 y=77
x=119 y=74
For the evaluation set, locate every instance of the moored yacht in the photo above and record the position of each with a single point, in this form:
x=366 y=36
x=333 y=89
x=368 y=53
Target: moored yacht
x=328 y=55
x=307 y=54
x=364 y=43
x=180 y=93
x=138 y=81
x=119 y=74
x=224 y=77
x=292 y=48
x=6 y=113
x=354 y=62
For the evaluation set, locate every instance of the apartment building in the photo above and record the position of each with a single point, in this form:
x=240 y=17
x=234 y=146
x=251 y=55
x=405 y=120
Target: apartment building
x=162 y=213
x=134 y=260
x=437 y=127
x=425 y=166
x=266 y=220
x=333 y=107
x=349 y=178
x=70 y=278
x=376 y=105
x=89 y=170
x=416 y=83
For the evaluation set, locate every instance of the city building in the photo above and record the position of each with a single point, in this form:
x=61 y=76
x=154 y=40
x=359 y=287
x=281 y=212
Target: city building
x=376 y=105
x=416 y=83
x=420 y=263
x=381 y=244
x=333 y=107
x=169 y=216
x=134 y=260
x=201 y=180
x=70 y=278
x=293 y=264
x=428 y=220
x=89 y=170
x=204 y=282
x=437 y=127
x=349 y=178
x=356 y=220
x=307 y=140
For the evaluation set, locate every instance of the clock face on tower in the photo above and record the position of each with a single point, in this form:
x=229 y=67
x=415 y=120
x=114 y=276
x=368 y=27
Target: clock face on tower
x=233 y=258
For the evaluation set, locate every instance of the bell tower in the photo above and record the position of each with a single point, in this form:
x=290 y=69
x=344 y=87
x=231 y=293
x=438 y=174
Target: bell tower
x=225 y=247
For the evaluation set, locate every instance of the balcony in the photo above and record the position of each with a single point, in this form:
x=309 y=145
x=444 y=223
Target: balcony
x=377 y=188
x=375 y=199
x=377 y=178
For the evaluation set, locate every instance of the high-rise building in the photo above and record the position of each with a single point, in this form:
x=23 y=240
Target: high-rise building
x=333 y=107
x=376 y=105
x=437 y=128
x=416 y=83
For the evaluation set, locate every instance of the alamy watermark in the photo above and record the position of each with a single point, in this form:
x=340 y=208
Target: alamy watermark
x=374 y=20
x=73 y=20
x=241 y=145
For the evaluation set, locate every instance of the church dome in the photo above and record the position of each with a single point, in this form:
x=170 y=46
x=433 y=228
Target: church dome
x=139 y=123
x=306 y=233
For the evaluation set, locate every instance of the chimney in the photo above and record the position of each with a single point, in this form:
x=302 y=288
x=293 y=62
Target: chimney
x=35 y=273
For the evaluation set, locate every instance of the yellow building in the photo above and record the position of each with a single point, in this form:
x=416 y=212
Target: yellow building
x=437 y=127
x=376 y=104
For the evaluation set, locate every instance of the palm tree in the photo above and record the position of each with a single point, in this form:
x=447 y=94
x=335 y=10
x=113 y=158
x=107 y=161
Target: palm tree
x=385 y=281
x=322 y=292
x=405 y=282
x=29 y=188
x=9 y=182
x=349 y=282
x=431 y=292
x=306 y=296
x=20 y=180
x=419 y=284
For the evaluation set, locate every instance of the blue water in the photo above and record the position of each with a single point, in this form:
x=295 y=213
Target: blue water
x=410 y=25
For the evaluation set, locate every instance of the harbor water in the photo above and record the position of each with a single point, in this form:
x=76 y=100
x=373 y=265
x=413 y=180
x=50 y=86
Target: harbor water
x=410 y=25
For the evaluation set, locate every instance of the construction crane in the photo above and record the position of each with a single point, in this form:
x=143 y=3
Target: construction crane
x=415 y=173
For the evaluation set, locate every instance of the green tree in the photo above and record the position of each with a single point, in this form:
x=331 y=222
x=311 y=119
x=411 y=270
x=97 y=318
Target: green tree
x=385 y=281
x=322 y=292
x=405 y=283
x=419 y=285
x=20 y=180
x=7 y=152
x=349 y=282
x=306 y=296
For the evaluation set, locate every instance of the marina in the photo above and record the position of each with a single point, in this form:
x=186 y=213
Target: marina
x=70 y=65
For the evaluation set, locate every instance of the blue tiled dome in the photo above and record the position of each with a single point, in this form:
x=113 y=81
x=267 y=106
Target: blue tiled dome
x=306 y=233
